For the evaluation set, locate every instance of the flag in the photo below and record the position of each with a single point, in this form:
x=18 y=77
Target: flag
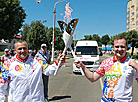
x=56 y=38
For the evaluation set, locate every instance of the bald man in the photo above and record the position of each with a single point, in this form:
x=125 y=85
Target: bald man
x=22 y=76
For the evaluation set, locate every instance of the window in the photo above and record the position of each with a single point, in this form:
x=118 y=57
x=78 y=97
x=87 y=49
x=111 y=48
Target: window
x=132 y=19
x=86 y=50
x=132 y=7
x=133 y=25
x=132 y=14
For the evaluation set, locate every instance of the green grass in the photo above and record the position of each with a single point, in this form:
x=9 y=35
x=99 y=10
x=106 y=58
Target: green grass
x=1 y=53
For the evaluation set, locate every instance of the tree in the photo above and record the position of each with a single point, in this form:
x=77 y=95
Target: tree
x=37 y=35
x=26 y=29
x=105 y=39
x=59 y=44
x=96 y=37
x=112 y=37
x=132 y=38
x=12 y=16
x=88 y=37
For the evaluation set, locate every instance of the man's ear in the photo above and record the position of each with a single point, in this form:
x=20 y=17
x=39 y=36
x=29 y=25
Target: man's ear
x=127 y=47
x=113 y=47
x=14 y=50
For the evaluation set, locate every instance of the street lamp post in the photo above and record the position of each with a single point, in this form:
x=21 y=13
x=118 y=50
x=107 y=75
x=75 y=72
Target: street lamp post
x=75 y=38
x=52 y=59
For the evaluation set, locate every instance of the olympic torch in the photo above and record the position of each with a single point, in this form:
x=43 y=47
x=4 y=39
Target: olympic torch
x=68 y=30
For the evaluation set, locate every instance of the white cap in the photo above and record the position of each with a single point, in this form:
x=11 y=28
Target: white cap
x=6 y=50
x=43 y=45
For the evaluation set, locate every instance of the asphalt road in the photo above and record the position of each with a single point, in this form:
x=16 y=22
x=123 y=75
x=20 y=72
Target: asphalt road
x=69 y=87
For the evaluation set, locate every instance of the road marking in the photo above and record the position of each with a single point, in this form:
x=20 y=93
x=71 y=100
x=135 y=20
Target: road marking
x=101 y=83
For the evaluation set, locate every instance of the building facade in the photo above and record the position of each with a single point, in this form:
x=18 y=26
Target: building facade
x=132 y=15
x=10 y=45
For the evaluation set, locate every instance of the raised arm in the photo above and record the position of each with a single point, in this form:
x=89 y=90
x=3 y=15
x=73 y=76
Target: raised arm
x=50 y=69
x=134 y=65
x=90 y=76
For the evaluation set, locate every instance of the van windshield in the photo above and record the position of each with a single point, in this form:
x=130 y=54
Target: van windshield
x=86 y=50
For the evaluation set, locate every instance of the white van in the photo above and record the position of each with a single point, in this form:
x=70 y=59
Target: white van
x=87 y=52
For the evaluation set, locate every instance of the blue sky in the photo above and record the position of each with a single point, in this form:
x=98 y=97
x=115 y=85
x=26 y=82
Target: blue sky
x=95 y=16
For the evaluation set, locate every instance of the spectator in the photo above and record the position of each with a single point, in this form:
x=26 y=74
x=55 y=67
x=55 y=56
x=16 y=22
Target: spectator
x=45 y=57
x=5 y=56
x=11 y=53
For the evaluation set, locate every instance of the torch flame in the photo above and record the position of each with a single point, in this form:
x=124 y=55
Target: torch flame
x=68 y=13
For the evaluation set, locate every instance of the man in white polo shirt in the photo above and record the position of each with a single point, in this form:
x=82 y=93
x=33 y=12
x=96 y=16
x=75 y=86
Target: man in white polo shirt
x=118 y=70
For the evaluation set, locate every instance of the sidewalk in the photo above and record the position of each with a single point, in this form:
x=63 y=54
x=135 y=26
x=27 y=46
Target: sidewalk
x=107 y=55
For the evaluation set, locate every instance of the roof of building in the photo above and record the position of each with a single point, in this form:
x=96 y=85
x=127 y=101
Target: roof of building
x=17 y=36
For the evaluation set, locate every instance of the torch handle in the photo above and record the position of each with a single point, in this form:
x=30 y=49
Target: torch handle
x=75 y=58
x=60 y=61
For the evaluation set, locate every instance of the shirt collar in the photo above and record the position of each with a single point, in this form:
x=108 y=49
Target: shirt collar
x=21 y=59
x=122 y=60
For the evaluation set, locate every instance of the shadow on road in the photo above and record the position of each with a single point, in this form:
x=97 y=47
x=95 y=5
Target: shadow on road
x=58 y=98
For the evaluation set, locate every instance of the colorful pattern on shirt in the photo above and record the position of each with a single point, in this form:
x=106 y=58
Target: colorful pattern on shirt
x=4 y=73
x=44 y=64
x=118 y=76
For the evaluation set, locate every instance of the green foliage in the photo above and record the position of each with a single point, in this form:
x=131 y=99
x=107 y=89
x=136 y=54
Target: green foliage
x=12 y=16
x=132 y=38
x=105 y=39
x=59 y=44
x=88 y=37
x=26 y=29
x=36 y=33
x=96 y=37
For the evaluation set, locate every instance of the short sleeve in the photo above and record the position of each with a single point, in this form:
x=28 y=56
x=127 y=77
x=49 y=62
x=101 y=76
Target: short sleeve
x=101 y=70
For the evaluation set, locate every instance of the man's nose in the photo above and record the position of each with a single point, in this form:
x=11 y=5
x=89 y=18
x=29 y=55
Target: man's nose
x=22 y=49
x=120 y=48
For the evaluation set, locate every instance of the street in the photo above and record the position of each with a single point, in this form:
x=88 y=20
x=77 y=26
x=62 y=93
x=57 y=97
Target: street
x=69 y=87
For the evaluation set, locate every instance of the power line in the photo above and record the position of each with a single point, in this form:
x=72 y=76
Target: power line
x=44 y=1
x=46 y=4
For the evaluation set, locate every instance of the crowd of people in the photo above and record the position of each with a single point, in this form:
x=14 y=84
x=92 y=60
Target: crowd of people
x=8 y=54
